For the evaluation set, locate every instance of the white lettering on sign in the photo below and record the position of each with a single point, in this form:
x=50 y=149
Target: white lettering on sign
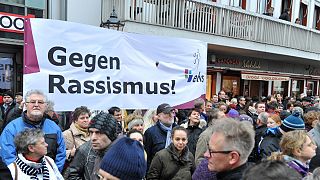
x=264 y=77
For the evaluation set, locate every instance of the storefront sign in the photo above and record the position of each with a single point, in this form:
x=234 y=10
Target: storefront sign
x=251 y=64
x=96 y=67
x=11 y=22
x=264 y=77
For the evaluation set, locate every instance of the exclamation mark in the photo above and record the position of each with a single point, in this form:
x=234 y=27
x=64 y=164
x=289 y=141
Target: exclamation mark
x=172 y=87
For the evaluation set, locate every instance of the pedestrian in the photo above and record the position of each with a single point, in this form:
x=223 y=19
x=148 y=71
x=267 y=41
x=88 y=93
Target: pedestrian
x=175 y=161
x=86 y=161
x=32 y=162
x=33 y=117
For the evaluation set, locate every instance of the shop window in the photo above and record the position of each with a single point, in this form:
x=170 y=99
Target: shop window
x=231 y=85
x=6 y=72
x=280 y=87
x=312 y=88
x=297 y=88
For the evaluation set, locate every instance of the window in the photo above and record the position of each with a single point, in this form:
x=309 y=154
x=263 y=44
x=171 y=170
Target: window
x=303 y=14
x=316 y=20
x=238 y=3
x=262 y=6
x=6 y=72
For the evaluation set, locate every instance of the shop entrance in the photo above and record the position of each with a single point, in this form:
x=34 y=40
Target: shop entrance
x=255 y=88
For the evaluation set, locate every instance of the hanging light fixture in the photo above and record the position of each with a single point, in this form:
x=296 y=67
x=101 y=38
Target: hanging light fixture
x=113 y=22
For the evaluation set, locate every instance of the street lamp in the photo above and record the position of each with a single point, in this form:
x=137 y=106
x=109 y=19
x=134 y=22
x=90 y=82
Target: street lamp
x=113 y=22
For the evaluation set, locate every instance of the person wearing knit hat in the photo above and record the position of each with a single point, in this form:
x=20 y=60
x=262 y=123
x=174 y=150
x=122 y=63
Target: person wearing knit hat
x=124 y=160
x=292 y=122
x=86 y=162
x=233 y=114
x=135 y=122
x=271 y=140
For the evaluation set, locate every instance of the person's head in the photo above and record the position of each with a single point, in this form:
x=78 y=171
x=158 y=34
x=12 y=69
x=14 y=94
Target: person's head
x=223 y=107
x=298 y=144
x=36 y=104
x=136 y=135
x=31 y=142
x=102 y=130
x=222 y=95
x=244 y=117
x=271 y=98
x=230 y=144
x=262 y=119
x=179 y=137
x=270 y=10
x=292 y=122
x=116 y=113
x=242 y=100
x=215 y=98
x=199 y=104
x=270 y=170
x=233 y=114
x=7 y=97
x=165 y=114
x=306 y=101
x=81 y=116
x=208 y=105
x=273 y=121
x=290 y=106
x=18 y=97
x=124 y=160
x=260 y=107
x=298 y=21
x=135 y=122
x=50 y=108
x=194 y=116
x=214 y=114
x=287 y=10
x=311 y=118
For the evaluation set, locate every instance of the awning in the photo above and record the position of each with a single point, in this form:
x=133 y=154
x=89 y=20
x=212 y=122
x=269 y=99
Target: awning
x=264 y=77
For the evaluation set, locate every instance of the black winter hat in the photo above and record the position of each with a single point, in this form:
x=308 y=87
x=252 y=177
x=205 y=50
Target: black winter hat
x=8 y=93
x=106 y=124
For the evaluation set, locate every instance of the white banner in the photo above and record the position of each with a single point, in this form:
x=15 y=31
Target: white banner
x=76 y=64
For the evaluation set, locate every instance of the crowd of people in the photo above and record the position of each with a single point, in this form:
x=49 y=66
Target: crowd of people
x=222 y=138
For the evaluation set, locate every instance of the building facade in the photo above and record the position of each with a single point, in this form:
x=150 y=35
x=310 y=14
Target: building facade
x=251 y=51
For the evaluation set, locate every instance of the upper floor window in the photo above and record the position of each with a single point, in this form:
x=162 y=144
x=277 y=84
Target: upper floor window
x=316 y=18
x=238 y=3
x=262 y=6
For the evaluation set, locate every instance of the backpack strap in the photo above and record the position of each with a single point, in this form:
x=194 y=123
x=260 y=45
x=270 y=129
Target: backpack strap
x=15 y=170
x=49 y=162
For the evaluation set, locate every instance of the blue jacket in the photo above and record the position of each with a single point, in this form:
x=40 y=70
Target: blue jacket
x=53 y=137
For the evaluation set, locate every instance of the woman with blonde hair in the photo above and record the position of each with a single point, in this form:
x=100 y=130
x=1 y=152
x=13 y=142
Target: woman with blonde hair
x=297 y=150
x=149 y=119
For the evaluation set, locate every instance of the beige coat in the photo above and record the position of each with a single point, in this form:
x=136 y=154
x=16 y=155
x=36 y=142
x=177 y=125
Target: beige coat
x=76 y=140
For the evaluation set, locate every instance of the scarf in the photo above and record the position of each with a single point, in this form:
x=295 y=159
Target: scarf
x=168 y=130
x=84 y=131
x=33 y=172
x=295 y=164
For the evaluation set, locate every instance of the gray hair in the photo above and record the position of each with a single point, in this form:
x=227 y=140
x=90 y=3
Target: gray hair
x=264 y=117
x=35 y=91
x=50 y=106
x=27 y=137
x=239 y=136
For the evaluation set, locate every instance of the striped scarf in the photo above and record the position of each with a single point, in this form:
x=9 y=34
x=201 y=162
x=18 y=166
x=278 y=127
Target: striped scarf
x=33 y=172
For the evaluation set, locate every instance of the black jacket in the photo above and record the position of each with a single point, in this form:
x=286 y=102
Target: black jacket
x=193 y=136
x=234 y=174
x=270 y=142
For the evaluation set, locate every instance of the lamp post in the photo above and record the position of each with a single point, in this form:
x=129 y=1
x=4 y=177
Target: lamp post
x=113 y=22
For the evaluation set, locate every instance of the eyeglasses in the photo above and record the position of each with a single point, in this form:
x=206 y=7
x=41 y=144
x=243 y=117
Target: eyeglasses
x=33 y=102
x=215 y=152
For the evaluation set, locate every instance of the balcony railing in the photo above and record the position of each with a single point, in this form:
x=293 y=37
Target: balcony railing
x=216 y=20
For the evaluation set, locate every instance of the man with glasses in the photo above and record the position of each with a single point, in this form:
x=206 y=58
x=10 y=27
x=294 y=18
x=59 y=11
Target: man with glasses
x=229 y=148
x=158 y=136
x=34 y=117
